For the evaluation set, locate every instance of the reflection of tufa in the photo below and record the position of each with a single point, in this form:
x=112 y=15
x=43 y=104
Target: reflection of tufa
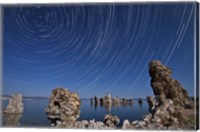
x=15 y=105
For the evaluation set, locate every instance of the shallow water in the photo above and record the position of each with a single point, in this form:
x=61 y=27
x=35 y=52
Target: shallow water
x=34 y=114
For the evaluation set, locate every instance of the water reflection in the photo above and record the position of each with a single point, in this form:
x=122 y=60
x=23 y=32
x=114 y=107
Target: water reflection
x=108 y=106
x=12 y=119
x=96 y=105
x=34 y=114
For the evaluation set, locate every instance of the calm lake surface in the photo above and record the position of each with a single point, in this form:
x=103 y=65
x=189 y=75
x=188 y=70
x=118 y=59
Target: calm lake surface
x=34 y=114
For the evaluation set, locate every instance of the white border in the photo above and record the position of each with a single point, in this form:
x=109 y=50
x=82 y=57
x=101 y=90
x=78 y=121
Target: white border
x=7 y=2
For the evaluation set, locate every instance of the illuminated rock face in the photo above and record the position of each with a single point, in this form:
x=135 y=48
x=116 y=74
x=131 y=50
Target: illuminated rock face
x=64 y=106
x=164 y=86
x=15 y=105
x=172 y=99
x=171 y=107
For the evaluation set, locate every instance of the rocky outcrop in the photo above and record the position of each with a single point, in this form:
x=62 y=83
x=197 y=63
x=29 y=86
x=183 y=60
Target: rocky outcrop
x=111 y=120
x=151 y=103
x=171 y=108
x=140 y=101
x=165 y=87
x=91 y=124
x=64 y=106
x=109 y=101
x=96 y=100
x=11 y=119
x=116 y=100
x=15 y=105
x=124 y=101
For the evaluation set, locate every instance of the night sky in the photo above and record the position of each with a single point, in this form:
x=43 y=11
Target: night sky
x=96 y=49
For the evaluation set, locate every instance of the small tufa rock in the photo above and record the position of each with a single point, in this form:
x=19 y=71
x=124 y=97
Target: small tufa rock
x=142 y=123
x=147 y=118
x=126 y=124
x=111 y=120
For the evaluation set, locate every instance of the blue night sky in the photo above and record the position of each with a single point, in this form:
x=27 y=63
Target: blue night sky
x=96 y=49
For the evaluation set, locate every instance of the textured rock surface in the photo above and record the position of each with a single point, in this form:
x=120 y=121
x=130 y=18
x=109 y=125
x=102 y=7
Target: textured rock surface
x=165 y=87
x=108 y=99
x=12 y=119
x=171 y=108
x=64 y=106
x=15 y=105
x=111 y=120
x=151 y=102
x=172 y=99
x=91 y=124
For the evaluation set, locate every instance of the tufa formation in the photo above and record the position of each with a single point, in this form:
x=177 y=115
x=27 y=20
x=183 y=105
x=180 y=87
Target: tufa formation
x=15 y=105
x=64 y=106
x=111 y=120
x=165 y=87
x=171 y=108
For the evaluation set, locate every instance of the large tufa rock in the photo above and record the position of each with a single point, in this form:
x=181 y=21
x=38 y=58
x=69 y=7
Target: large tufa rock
x=171 y=99
x=15 y=105
x=164 y=86
x=171 y=108
x=64 y=106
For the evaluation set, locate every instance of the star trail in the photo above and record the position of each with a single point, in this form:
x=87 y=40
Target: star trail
x=95 y=49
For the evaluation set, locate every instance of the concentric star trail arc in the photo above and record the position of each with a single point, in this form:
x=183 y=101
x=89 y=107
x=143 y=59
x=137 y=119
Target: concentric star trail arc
x=94 y=49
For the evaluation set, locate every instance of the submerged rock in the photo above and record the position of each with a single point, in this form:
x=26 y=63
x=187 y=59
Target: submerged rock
x=64 y=106
x=15 y=105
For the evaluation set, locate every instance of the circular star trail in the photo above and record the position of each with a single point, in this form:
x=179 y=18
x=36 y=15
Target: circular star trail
x=95 y=49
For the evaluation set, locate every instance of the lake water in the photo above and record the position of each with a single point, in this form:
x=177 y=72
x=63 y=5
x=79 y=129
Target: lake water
x=34 y=114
